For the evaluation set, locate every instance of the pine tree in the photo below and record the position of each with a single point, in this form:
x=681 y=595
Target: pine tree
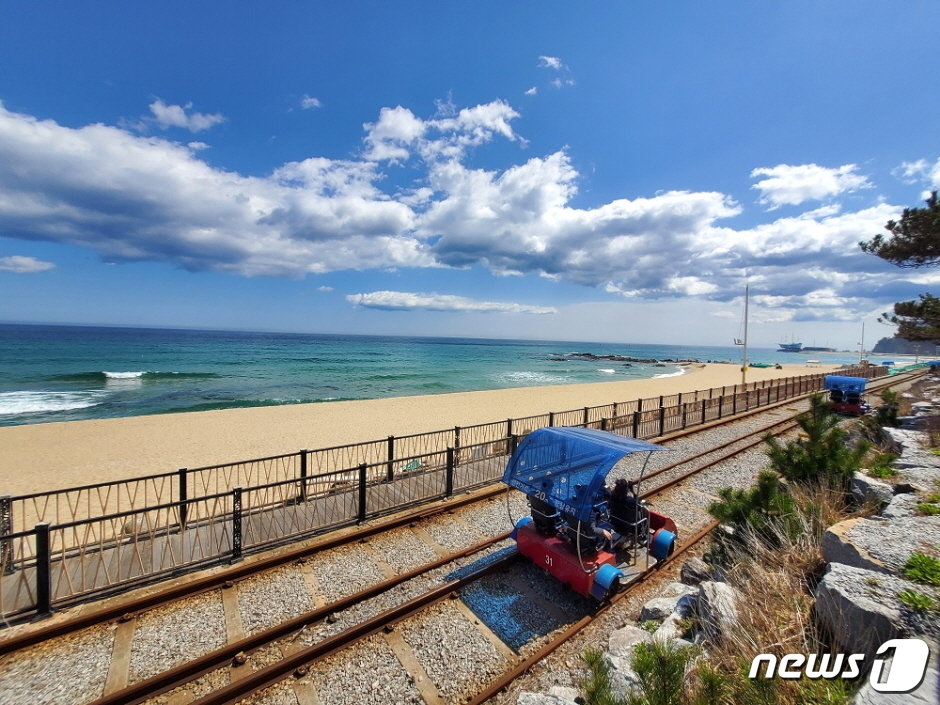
x=821 y=453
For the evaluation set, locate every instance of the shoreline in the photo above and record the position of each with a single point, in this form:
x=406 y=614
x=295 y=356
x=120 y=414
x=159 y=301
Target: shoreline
x=43 y=457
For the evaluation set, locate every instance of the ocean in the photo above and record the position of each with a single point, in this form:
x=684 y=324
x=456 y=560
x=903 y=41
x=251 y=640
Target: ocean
x=65 y=373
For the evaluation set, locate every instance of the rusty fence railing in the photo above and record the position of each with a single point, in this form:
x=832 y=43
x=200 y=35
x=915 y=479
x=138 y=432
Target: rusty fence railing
x=92 y=540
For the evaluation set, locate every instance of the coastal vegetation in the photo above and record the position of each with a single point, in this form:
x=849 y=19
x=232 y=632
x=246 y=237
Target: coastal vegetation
x=914 y=242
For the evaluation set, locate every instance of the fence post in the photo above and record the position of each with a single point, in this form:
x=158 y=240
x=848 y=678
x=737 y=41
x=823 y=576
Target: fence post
x=586 y=414
x=734 y=401
x=683 y=413
x=662 y=419
x=183 y=493
x=615 y=409
x=6 y=527
x=456 y=436
x=551 y=418
x=604 y=424
x=721 y=405
x=390 y=458
x=362 y=493
x=236 y=524
x=303 y=475
x=508 y=428
x=513 y=443
x=449 y=475
x=43 y=570
x=636 y=424
x=703 y=410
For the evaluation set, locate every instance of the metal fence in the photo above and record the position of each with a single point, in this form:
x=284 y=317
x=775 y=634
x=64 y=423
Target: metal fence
x=101 y=538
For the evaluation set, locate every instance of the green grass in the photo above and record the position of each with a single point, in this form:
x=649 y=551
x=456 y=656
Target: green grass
x=917 y=601
x=922 y=568
x=881 y=465
x=928 y=509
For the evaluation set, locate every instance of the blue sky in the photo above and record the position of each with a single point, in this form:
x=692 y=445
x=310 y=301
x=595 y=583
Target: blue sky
x=580 y=171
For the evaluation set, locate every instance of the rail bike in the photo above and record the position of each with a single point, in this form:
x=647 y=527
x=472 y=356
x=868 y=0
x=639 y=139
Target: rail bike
x=593 y=537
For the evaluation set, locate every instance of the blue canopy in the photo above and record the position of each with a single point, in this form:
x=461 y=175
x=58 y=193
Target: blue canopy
x=850 y=385
x=567 y=467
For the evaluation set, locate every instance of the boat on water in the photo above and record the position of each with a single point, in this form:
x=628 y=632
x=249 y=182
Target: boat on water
x=790 y=347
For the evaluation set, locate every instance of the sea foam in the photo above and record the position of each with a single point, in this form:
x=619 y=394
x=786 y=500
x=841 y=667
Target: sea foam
x=13 y=403
x=679 y=373
x=124 y=375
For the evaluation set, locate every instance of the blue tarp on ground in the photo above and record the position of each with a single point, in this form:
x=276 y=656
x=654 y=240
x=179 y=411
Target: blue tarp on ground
x=567 y=467
x=846 y=385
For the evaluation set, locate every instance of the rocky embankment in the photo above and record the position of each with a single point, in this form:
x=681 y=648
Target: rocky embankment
x=862 y=600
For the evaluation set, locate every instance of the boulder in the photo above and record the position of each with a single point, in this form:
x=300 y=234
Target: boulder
x=902 y=505
x=679 y=590
x=619 y=654
x=695 y=571
x=927 y=693
x=879 y=544
x=556 y=696
x=908 y=488
x=658 y=608
x=858 y=607
x=717 y=609
x=568 y=695
x=838 y=547
x=672 y=629
x=868 y=489
x=913 y=451
x=620 y=643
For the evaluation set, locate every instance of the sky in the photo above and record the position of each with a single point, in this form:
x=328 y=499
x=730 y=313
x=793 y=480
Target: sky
x=594 y=171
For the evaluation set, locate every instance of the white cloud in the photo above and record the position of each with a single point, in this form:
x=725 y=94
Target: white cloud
x=551 y=62
x=167 y=116
x=132 y=197
x=144 y=198
x=792 y=185
x=407 y=301
x=24 y=265
x=308 y=102
x=532 y=91
x=920 y=171
x=324 y=288
x=399 y=133
x=197 y=146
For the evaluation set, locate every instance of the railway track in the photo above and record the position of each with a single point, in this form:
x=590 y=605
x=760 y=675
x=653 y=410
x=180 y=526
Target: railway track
x=297 y=660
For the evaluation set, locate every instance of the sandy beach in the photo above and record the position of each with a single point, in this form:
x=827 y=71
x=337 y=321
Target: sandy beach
x=55 y=455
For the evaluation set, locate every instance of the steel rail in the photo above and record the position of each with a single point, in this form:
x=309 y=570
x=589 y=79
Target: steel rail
x=125 y=609
x=197 y=586
x=276 y=672
x=525 y=664
x=184 y=673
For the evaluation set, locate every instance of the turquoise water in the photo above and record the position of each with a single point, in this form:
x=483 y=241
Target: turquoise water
x=64 y=373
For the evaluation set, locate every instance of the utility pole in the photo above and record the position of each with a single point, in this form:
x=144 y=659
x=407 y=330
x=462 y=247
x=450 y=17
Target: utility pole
x=738 y=341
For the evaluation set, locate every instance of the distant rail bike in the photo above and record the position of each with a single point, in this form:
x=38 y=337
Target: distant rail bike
x=594 y=538
x=846 y=394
